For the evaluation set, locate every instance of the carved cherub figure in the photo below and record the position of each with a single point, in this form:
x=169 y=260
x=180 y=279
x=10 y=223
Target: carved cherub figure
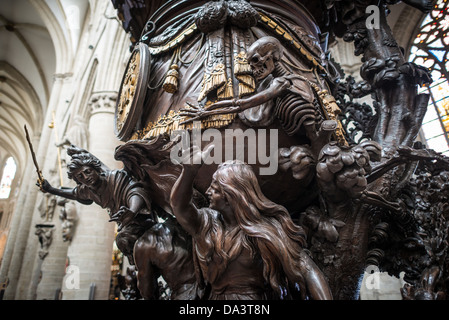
x=293 y=95
x=247 y=246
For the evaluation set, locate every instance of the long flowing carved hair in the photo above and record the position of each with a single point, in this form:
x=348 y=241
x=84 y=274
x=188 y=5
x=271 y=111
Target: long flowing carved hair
x=268 y=226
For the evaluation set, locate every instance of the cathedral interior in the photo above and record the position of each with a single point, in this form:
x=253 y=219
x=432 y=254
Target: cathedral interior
x=61 y=66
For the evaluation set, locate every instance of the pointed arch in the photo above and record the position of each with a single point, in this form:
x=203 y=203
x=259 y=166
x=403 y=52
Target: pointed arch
x=7 y=175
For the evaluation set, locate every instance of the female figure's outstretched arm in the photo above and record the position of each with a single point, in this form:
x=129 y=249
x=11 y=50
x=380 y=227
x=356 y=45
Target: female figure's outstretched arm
x=181 y=197
x=181 y=201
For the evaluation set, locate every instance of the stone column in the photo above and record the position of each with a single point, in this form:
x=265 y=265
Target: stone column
x=90 y=253
x=15 y=246
x=18 y=260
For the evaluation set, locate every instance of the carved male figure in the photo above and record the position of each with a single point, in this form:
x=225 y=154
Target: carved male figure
x=166 y=249
x=155 y=248
x=126 y=199
x=247 y=246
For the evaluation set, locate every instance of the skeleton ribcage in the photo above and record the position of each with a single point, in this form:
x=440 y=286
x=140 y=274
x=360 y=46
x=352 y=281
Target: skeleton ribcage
x=293 y=112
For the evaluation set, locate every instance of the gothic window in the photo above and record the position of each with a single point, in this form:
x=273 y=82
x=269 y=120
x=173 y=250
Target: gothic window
x=8 y=174
x=430 y=49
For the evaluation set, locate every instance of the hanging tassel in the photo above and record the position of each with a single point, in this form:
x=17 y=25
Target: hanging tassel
x=244 y=73
x=247 y=85
x=212 y=81
x=171 y=81
x=226 y=91
x=241 y=65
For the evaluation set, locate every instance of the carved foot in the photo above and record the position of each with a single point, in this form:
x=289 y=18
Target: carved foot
x=376 y=199
x=328 y=126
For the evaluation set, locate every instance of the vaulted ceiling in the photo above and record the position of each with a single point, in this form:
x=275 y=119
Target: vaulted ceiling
x=37 y=40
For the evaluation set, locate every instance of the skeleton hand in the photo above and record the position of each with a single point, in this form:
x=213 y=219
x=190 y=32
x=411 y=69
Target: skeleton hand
x=198 y=112
x=194 y=112
x=224 y=104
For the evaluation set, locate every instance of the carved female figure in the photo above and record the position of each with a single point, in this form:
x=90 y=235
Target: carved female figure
x=247 y=246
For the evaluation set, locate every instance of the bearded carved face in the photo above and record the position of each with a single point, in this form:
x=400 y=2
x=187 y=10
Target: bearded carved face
x=263 y=55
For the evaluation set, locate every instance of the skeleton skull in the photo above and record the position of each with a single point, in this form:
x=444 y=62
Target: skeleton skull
x=263 y=55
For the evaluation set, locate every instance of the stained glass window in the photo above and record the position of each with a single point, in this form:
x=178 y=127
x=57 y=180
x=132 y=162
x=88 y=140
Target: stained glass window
x=430 y=49
x=9 y=172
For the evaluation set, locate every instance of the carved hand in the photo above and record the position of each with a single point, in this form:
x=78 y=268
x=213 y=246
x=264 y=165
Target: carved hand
x=221 y=107
x=123 y=217
x=193 y=158
x=72 y=150
x=195 y=112
x=45 y=186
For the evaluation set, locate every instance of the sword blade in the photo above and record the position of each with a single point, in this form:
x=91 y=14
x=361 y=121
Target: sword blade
x=39 y=173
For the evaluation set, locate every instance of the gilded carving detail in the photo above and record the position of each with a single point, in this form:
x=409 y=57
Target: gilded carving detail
x=128 y=91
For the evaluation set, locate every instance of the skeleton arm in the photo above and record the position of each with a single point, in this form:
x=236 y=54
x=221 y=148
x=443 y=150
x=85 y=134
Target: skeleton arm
x=276 y=88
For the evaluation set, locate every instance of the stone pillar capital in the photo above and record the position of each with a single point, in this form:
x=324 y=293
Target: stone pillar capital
x=103 y=102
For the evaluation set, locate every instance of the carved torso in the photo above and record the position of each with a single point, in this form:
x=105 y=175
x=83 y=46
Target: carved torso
x=232 y=270
x=114 y=191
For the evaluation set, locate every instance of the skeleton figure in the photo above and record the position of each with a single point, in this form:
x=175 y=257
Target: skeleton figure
x=293 y=95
